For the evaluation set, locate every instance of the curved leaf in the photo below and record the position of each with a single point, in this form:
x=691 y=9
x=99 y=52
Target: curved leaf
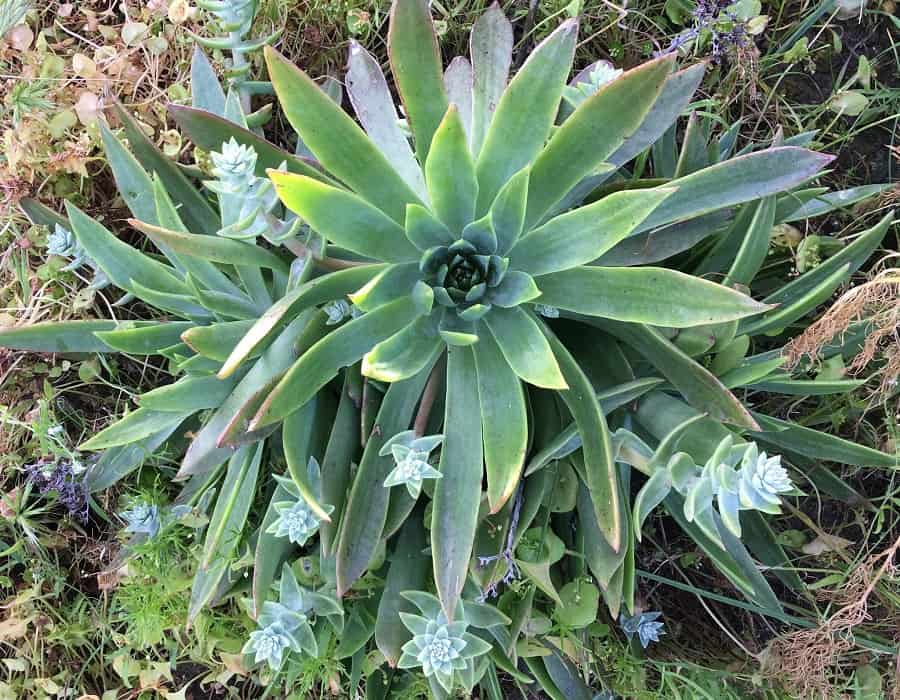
x=345 y=219
x=458 y=493
x=525 y=348
x=504 y=421
x=336 y=140
x=651 y=295
x=525 y=113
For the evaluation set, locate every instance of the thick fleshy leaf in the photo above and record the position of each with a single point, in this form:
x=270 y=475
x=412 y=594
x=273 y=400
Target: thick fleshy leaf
x=188 y=394
x=674 y=98
x=271 y=551
x=525 y=113
x=826 y=202
x=662 y=243
x=122 y=263
x=296 y=436
x=195 y=210
x=59 y=336
x=367 y=504
x=458 y=81
x=118 y=462
x=504 y=421
x=204 y=454
x=405 y=353
x=206 y=92
x=344 y=218
x=342 y=450
x=652 y=493
x=202 y=270
x=755 y=245
x=417 y=71
x=394 y=282
x=423 y=230
x=490 y=48
x=458 y=493
x=651 y=295
x=781 y=316
x=212 y=248
x=323 y=289
x=735 y=181
x=822 y=446
x=408 y=571
x=508 y=211
x=132 y=180
x=217 y=340
x=374 y=106
x=137 y=425
x=340 y=348
x=697 y=385
x=336 y=140
x=525 y=348
x=604 y=121
x=450 y=174
x=223 y=535
x=582 y=235
x=515 y=288
x=599 y=465
x=210 y=131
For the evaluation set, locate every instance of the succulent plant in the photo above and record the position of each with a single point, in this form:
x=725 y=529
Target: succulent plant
x=526 y=277
x=644 y=626
x=411 y=456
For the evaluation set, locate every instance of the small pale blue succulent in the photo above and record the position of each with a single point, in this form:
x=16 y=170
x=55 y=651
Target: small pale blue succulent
x=439 y=646
x=142 y=518
x=644 y=625
x=298 y=520
x=337 y=311
x=740 y=477
x=602 y=73
x=247 y=202
x=63 y=243
x=269 y=645
x=411 y=457
x=286 y=625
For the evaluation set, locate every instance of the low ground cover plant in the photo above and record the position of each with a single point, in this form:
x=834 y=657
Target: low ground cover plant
x=436 y=366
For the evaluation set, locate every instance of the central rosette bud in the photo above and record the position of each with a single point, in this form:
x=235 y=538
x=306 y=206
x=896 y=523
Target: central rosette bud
x=462 y=275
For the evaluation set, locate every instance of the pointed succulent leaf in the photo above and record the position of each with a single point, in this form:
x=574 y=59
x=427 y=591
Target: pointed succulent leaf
x=582 y=235
x=458 y=493
x=450 y=173
x=652 y=295
x=458 y=83
x=525 y=348
x=504 y=419
x=340 y=348
x=525 y=113
x=336 y=140
x=344 y=218
x=374 y=106
x=605 y=120
x=405 y=353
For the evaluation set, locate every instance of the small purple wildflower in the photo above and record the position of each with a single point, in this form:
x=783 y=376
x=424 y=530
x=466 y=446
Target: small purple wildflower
x=64 y=477
x=727 y=30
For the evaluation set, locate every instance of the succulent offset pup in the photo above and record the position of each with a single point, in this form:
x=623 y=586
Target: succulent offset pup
x=478 y=283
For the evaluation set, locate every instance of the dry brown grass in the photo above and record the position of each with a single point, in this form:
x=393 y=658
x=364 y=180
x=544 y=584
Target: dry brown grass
x=804 y=660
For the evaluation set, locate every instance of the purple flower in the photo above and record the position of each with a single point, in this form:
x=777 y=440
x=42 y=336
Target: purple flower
x=63 y=477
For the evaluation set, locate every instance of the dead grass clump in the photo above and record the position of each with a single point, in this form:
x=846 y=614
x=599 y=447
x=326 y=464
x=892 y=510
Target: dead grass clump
x=804 y=660
x=875 y=303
